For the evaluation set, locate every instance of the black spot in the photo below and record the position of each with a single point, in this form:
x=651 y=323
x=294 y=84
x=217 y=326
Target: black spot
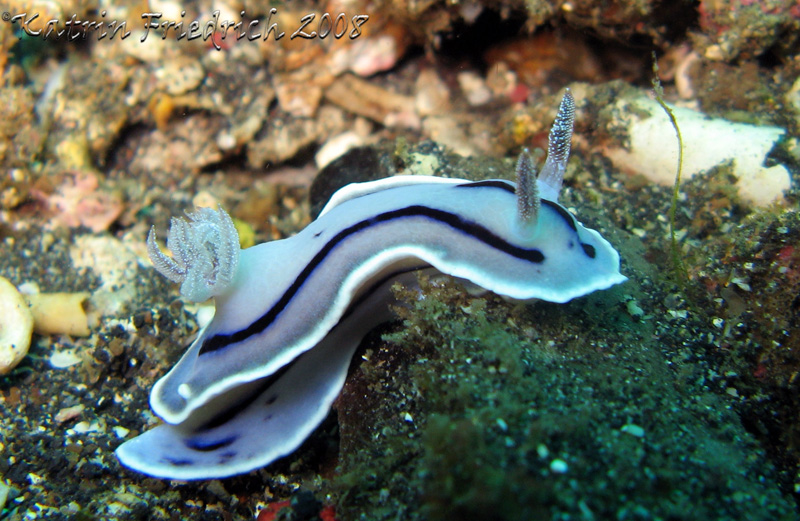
x=208 y=446
x=589 y=250
x=271 y=399
x=570 y=245
x=179 y=462
x=226 y=457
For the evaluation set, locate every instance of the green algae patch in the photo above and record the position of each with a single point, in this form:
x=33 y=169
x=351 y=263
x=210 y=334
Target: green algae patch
x=490 y=410
x=751 y=278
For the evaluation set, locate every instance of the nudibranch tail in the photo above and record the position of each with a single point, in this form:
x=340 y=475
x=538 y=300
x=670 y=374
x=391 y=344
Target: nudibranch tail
x=205 y=252
x=527 y=190
x=552 y=173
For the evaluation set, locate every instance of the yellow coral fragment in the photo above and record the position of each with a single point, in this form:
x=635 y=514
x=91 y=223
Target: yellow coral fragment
x=59 y=313
x=247 y=236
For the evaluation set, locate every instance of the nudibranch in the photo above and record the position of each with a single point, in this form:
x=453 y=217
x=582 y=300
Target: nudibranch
x=262 y=375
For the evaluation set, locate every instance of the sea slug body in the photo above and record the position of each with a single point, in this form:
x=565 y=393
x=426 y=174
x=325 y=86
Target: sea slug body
x=290 y=313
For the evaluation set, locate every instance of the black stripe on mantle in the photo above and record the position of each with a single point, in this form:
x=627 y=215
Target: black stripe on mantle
x=470 y=228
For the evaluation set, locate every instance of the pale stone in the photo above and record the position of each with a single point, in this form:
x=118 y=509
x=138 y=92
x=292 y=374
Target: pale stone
x=432 y=94
x=336 y=147
x=16 y=327
x=652 y=150
x=474 y=88
x=116 y=263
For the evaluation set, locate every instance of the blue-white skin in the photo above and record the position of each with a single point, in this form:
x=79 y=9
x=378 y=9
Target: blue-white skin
x=291 y=313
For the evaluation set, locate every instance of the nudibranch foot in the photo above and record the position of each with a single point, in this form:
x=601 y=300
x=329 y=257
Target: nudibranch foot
x=250 y=433
x=249 y=428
